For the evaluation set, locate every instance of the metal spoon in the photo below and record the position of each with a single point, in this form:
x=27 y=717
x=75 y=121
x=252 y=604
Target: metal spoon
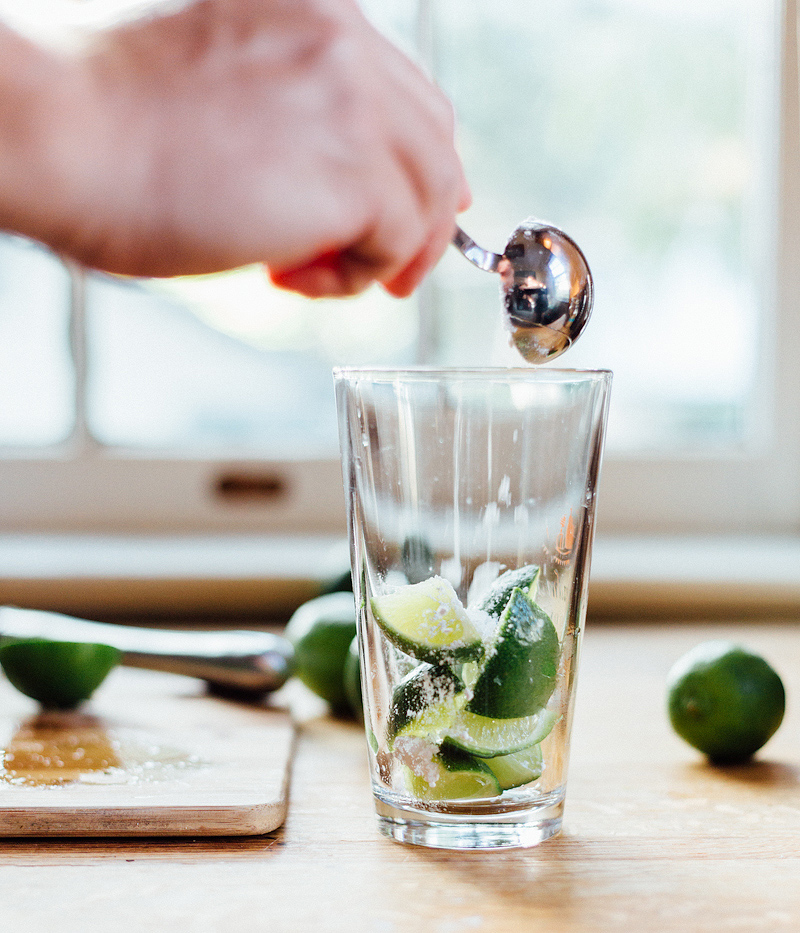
x=547 y=287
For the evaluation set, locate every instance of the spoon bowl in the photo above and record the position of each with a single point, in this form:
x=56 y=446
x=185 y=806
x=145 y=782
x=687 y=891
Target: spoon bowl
x=547 y=287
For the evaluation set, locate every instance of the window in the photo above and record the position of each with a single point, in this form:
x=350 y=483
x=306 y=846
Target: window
x=662 y=134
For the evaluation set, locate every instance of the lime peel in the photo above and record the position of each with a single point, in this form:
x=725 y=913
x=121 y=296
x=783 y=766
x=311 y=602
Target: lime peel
x=425 y=701
x=521 y=666
x=495 y=599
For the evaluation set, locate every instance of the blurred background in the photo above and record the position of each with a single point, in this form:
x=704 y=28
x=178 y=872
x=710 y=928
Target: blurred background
x=171 y=446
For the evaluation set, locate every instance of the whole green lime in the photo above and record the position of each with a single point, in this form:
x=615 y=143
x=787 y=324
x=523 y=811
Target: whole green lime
x=352 y=680
x=725 y=701
x=322 y=631
x=58 y=674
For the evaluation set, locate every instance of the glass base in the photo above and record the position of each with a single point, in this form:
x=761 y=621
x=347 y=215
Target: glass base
x=438 y=830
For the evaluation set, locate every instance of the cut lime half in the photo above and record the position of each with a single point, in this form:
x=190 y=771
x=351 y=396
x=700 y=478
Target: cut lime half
x=57 y=674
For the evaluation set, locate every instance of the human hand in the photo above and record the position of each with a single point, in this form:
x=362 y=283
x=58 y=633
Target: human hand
x=286 y=132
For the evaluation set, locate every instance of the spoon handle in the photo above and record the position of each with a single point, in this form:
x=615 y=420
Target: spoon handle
x=482 y=258
x=252 y=661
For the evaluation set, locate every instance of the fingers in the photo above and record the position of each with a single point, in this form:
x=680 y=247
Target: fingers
x=403 y=244
x=402 y=284
x=412 y=184
x=317 y=279
x=403 y=277
x=332 y=275
x=425 y=151
x=409 y=278
x=348 y=272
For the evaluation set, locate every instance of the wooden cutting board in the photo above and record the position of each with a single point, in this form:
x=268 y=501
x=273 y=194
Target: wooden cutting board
x=150 y=755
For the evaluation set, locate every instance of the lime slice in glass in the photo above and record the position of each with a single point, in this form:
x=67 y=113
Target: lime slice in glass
x=496 y=598
x=519 y=675
x=427 y=621
x=425 y=701
x=518 y=769
x=488 y=738
x=454 y=775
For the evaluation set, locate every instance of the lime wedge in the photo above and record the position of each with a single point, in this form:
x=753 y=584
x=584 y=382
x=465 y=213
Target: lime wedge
x=517 y=769
x=58 y=674
x=427 y=621
x=424 y=702
x=519 y=675
x=454 y=775
x=496 y=598
x=488 y=738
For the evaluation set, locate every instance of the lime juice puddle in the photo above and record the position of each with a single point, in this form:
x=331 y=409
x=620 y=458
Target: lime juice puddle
x=57 y=748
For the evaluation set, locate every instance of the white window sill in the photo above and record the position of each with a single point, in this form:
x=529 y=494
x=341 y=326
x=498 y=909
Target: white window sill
x=225 y=576
x=695 y=575
x=266 y=577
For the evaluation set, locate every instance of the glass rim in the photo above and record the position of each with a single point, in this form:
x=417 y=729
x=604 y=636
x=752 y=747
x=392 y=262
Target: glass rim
x=499 y=373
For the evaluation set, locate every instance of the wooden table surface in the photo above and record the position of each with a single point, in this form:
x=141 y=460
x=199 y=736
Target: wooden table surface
x=654 y=839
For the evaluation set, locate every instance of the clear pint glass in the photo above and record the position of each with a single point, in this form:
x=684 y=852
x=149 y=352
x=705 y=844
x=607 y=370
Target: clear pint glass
x=471 y=503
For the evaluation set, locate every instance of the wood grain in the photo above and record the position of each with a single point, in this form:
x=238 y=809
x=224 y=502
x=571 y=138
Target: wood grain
x=655 y=839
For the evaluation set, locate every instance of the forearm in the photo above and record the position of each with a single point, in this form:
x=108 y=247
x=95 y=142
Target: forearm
x=228 y=132
x=170 y=142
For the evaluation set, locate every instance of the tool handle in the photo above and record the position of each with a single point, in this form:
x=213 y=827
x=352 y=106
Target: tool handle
x=251 y=661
